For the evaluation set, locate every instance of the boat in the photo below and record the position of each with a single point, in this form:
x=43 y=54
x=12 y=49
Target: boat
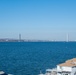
x=3 y=73
x=66 y=68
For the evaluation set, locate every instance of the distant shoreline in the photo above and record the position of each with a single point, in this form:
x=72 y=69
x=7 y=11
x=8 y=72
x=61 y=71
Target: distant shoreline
x=38 y=41
x=23 y=40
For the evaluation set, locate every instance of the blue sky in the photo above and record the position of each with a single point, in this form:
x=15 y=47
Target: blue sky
x=38 y=19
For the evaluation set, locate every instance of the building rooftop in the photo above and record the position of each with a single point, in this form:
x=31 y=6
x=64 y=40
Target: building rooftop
x=69 y=63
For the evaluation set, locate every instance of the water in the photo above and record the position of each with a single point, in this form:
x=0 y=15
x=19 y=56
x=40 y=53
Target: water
x=28 y=58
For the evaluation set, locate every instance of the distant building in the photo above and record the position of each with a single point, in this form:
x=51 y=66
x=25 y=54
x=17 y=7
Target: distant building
x=67 y=38
x=19 y=37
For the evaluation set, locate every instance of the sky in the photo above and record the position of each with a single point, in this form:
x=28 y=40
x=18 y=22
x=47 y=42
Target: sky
x=38 y=19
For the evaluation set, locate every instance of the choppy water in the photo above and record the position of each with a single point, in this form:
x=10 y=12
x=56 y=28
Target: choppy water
x=28 y=58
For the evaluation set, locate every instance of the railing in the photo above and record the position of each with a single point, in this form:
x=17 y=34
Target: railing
x=51 y=70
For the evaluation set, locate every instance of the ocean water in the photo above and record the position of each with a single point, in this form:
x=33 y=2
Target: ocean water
x=28 y=58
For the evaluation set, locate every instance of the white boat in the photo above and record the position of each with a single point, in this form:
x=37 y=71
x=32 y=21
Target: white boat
x=66 y=68
x=3 y=73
